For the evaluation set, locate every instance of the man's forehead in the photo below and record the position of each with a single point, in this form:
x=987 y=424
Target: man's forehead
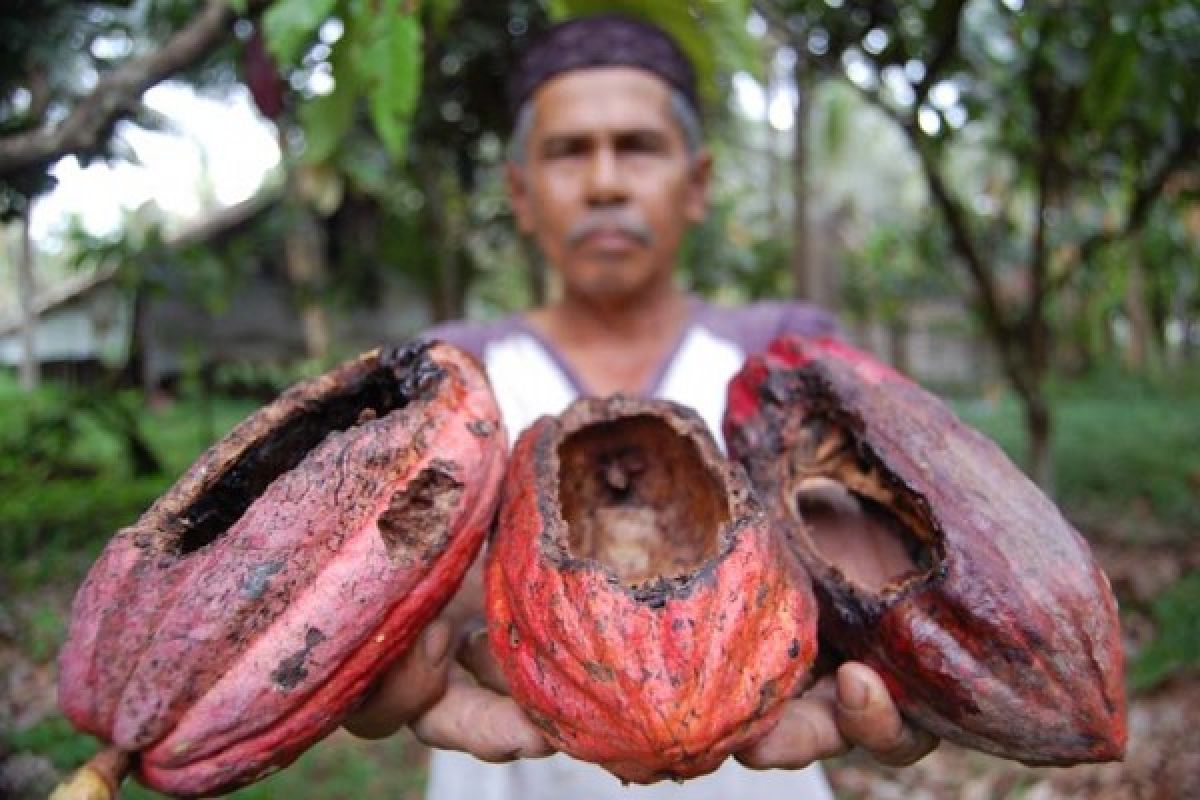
x=602 y=98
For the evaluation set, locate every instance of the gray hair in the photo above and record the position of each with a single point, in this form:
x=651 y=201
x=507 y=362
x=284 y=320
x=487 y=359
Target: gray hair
x=685 y=117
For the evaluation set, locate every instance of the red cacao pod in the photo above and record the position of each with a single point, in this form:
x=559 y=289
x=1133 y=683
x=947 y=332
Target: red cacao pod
x=999 y=632
x=645 y=615
x=251 y=607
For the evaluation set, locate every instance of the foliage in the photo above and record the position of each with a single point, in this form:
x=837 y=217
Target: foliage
x=53 y=54
x=1128 y=451
x=68 y=471
x=1086 y=115
x=336 y=767
x=723 y=259
x=377 y=59
x=55 y=739
x=1176 y=646
x=891 y=268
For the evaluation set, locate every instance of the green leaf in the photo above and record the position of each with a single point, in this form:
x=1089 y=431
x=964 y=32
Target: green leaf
x=290 y=24
x=440 y=12
x=328 y=118
x=389 y=64
x=1177 y=645
x=1112 y=77
x=237 y=5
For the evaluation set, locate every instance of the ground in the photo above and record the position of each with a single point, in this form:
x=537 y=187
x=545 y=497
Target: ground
x=1163 y=759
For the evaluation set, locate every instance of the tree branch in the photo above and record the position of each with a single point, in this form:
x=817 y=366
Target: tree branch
x=944 y=50
x=963 y=241
x=776 y=18
x=116 y=94
x=1141 y=204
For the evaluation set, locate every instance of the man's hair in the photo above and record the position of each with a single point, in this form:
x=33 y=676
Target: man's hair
x=681 y=109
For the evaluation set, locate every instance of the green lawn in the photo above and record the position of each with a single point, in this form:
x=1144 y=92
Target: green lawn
x=1127 y=453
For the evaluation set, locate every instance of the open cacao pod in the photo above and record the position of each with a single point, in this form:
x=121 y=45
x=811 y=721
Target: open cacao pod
x=994 y=627
x=646 y=616
x=251 y=607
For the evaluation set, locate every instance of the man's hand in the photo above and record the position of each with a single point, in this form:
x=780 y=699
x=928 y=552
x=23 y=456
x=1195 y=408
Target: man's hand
x=446 y=707
x=837 y=713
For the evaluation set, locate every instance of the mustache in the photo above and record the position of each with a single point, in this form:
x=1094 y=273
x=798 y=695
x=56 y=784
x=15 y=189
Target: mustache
x=619 y=220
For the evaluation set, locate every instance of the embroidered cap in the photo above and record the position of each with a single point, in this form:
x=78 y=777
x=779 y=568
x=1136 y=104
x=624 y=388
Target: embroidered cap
x=607 y=40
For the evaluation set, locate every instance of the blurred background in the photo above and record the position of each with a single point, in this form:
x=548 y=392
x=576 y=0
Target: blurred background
x=201 y=202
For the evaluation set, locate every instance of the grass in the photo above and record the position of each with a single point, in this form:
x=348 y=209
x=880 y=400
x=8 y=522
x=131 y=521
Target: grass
x=1176 y=647
x=1126 y=453
x=339 y=766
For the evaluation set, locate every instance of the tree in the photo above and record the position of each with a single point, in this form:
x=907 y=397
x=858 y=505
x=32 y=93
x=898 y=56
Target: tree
x=73 y=70
x=1087 y=112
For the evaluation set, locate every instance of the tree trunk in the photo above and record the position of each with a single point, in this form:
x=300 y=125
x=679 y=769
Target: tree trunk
x=1039 y=425
x=1138 y=349
x=30 y=371
x=304 y=260
x=897 y=329
x=304 y=254
x=1182 y=302
x=136 y=371
x=444 y=224
x=775 y=160
x=805 y=280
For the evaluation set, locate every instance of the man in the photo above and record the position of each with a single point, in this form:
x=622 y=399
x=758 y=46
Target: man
x=607 y=172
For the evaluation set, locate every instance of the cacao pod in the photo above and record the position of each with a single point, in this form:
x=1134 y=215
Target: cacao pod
x=645 y=615
x=995 y=629
x=251 y=607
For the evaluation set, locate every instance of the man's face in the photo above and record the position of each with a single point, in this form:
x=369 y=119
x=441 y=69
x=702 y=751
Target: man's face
x=607 y=188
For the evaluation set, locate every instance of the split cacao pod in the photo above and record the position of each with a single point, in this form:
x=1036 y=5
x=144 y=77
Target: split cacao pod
x=645 y=615
x=251 y=607
x=993 y=626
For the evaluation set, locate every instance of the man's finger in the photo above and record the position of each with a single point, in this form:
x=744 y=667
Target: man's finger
x=807 y=732
x=868 y=717
x=478 y=721
x=476 y=656
x=407 y=688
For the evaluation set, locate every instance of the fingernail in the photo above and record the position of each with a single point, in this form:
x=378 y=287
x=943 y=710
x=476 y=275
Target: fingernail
x=853 y=691
x=436 y=643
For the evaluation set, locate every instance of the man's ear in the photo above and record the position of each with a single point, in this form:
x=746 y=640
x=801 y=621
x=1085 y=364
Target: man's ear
x=518 y=196
x=699 y=175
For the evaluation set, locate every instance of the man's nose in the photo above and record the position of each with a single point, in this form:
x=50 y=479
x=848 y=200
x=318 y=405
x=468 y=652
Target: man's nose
x=606 y=181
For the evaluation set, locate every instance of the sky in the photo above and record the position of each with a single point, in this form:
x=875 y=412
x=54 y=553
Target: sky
x=225 y=137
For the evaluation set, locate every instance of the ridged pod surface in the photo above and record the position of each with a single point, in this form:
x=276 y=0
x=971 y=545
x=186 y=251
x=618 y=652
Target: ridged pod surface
x=646 y=616
x=1002 y=632
x=251 y=607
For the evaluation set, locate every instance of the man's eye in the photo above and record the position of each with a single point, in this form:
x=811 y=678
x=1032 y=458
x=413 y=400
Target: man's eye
x=641 y=143
x=564 y=149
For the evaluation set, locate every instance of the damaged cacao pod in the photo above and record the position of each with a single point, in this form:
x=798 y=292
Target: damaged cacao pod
x=252 y=606
x=934 y=559
x=646 y=616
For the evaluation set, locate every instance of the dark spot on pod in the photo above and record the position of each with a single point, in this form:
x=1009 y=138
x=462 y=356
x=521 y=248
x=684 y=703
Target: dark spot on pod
x=292 y=670
x=599 y=671
x=794 y=650
x=483 y=428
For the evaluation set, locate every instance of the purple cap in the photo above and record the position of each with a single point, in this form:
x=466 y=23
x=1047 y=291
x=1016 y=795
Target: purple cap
x=606 y=40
